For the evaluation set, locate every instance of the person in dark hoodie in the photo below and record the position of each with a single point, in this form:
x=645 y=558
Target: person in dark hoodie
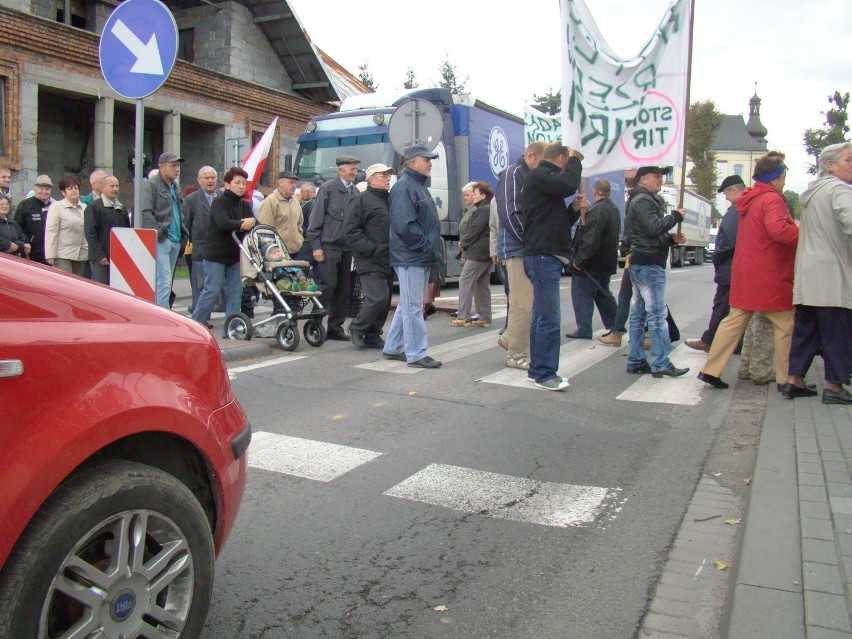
x=547 y=248
x=366 y=226
x=762 y=272
x=229 y=212
x=648 y=226
x=510 y=247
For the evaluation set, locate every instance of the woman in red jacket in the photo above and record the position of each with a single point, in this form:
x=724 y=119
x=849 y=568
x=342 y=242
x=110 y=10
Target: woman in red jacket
x=762 y=271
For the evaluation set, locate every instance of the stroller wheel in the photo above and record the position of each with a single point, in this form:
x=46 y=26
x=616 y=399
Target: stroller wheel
x=314 y=332
x=238 y=326
x=287 y=336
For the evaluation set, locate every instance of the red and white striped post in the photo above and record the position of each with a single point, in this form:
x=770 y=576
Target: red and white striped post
x=133 y=262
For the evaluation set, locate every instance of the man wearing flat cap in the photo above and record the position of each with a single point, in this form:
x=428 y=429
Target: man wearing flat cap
x=161 y=208
x=647 y=227
x=31 y=216
x=282 y=210
x=367 y=227
x=723 y=256
x=415 y=247
x=328 y=243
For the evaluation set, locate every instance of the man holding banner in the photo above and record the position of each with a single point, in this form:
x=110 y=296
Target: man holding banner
x=547 y=248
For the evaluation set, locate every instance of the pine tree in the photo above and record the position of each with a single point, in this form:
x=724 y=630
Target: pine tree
x=550 y=102
x=449 y=77
x=366 y=77
x=410 y=81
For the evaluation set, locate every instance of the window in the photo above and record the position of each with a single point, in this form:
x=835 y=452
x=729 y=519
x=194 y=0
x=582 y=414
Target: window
x=76 y=21
x=2 y=116
x=186 y=45
x=738 y=169
x=10 y=120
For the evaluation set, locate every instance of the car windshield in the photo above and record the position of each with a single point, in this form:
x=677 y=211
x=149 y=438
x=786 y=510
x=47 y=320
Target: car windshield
x=316 y=158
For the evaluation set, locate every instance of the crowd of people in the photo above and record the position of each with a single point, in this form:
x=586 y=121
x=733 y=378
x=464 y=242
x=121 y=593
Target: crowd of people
x=773 y=274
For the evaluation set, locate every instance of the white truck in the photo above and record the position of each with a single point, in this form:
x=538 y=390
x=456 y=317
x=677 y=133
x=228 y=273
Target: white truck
x=695 y=226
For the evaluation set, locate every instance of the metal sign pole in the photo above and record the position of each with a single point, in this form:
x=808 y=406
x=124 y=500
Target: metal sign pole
x=138 y=164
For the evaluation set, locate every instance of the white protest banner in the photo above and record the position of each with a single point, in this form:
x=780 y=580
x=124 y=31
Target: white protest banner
x=541 y=127
x=624 y=113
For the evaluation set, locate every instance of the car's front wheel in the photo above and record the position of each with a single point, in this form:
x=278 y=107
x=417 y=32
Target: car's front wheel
x=122 y=547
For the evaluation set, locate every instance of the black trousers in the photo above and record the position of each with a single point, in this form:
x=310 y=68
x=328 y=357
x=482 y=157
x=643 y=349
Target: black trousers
x=335 y=277
x=826 y=331
x=377 y=287
x=721 y=308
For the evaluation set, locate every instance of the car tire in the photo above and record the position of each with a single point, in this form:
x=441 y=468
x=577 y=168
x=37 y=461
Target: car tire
x=69 y=547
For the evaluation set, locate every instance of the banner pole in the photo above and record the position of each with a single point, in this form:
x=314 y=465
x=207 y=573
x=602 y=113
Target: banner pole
x=686 y=110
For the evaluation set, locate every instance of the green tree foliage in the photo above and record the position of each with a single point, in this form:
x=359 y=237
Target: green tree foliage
x=793 y=203
x=450 y=78
x=550 y=102
x=832 y=132
x=704 y=121
x=366 y=77
x=410 y=81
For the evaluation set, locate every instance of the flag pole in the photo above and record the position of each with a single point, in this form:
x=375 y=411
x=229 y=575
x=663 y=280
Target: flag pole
x=686 y=110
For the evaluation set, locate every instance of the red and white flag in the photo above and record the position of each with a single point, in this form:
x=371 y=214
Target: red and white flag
x=255 y=160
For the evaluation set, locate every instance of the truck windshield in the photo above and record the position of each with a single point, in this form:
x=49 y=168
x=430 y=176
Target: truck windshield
x=316 y=159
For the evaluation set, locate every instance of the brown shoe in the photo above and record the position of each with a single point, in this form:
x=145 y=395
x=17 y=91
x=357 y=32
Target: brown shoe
x=698 y=345
x=613 y=338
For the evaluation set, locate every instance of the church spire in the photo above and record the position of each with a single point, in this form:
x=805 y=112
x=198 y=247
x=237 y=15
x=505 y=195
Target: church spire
x=754 y=127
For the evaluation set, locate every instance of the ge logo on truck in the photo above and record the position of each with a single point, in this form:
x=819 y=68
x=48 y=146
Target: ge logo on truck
x=498 y=150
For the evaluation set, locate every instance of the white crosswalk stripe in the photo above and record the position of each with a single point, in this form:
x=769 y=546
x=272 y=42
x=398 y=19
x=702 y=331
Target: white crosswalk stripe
x=233 y=372
x=504 y=496
x=684 y=391
x=305 y=457
x=575 y=356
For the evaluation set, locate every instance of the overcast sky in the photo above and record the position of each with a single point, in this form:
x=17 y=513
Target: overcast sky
x=797 y=52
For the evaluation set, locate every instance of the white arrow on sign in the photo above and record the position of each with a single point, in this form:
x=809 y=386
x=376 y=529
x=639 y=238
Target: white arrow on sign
x=147 y=55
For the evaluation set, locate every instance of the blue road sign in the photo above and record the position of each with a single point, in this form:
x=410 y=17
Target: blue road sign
x=138 y=47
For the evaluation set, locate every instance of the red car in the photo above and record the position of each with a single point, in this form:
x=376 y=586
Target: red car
x=122 y=461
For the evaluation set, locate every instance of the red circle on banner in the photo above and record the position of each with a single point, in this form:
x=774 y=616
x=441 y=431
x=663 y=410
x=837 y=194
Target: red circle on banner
x=646 y=159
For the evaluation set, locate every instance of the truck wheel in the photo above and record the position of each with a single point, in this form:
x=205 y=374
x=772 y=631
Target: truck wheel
x=121 y=549
x=681 y=257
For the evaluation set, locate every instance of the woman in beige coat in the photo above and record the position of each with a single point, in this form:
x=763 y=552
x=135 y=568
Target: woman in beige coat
x=822 y=291
x=65 y=245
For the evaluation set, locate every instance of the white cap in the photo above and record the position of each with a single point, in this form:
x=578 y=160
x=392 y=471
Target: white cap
x=377 y=168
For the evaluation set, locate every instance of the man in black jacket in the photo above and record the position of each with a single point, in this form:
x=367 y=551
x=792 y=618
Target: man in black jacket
x=595 y=262
x=547 y=248
x=648 y=228
x=31 y=216
x=366 y=226
x=723 y=256
x=99 y=218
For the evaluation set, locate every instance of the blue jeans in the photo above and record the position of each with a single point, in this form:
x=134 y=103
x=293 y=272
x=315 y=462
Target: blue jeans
x=219 y=278
x=408 y=328
x=544 y=272
x=649 y=297
x=585 y=296
x=167 y=254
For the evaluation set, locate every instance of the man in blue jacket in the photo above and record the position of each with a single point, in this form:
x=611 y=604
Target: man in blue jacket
x=414 y=249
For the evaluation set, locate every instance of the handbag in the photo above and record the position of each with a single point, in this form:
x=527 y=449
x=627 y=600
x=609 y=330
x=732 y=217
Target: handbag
x=674 y=332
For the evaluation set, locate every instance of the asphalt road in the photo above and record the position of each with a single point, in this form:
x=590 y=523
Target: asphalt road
x=454 y=507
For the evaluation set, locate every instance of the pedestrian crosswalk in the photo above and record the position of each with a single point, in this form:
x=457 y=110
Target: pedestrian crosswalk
x=575 y=357
x=467 y=490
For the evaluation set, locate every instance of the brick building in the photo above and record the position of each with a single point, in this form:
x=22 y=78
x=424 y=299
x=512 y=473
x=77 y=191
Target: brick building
x=240 y=64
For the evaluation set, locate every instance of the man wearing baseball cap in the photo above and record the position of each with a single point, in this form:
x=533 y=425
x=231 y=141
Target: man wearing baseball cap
x=31 y=216
x=415 y=247
x=329 y=250
x=647 y=226
x=723 y=256
x=367 y=226
x=161 y=208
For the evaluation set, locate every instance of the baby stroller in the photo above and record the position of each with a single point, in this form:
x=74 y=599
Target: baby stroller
x=297 y=304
